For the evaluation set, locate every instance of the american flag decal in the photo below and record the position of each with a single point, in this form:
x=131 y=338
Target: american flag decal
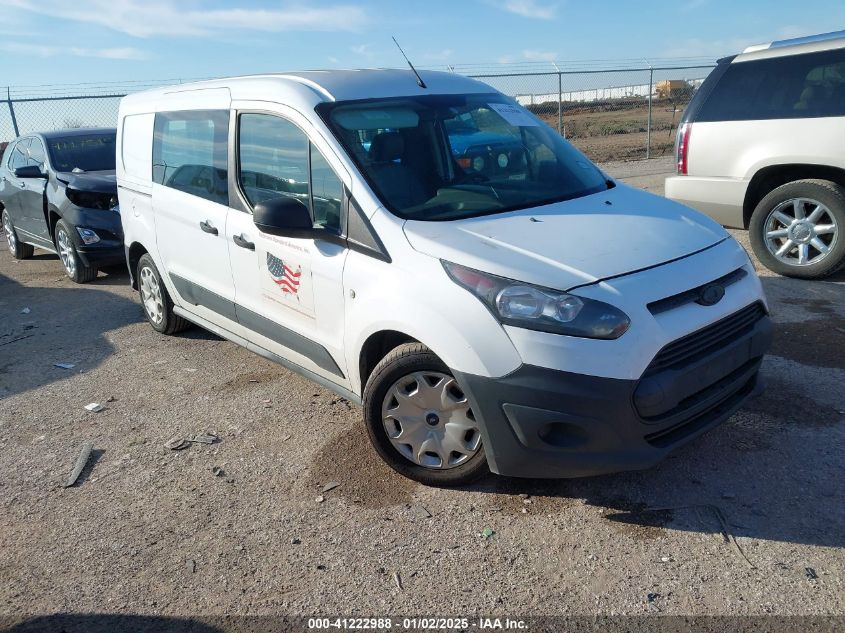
x=285 y=278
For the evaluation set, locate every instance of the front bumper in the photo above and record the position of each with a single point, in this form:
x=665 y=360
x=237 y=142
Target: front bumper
x=109 y=250
x=544 y=423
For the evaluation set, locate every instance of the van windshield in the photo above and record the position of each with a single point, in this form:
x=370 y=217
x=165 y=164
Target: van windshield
x=447 y=157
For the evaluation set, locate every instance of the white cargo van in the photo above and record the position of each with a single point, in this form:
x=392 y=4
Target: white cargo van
x=433 y=251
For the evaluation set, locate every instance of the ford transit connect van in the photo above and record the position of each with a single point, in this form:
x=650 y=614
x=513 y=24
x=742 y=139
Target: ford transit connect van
x=509 y=309
x=760 y=147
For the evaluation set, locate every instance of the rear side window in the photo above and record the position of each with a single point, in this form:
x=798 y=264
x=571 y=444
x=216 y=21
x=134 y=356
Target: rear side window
x=190 y=153
x=135 y=146
x=801 y=86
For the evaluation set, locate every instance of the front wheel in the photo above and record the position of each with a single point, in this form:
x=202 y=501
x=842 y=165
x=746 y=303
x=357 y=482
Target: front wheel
x=71 y=261
x=420 y=421
x=798 y=229
x=18 y=249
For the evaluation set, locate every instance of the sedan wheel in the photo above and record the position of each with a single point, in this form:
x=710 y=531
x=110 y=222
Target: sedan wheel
x=66 y=251
x=10 y=232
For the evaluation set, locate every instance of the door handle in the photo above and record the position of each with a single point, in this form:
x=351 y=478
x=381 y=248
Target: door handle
x=205 y=226
x=243 y=243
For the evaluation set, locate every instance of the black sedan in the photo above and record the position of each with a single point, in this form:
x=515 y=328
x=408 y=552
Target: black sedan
x=58 y=192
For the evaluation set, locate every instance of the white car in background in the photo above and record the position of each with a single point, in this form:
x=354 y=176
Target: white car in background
x=761 y=146
x=499 y=307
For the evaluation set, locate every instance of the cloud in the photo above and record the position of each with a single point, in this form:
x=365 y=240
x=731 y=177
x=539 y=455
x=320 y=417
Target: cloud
x=529 y=8
x=364 y=50
x=157 y=17
x=529 y=56
x=695 y=47
x=440 y=56
x=37 y=50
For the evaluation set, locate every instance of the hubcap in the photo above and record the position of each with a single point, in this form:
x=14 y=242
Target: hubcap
x=66 y=252
x=10 y=233
x=429 y=421
x=151 y=295
x=800 y=232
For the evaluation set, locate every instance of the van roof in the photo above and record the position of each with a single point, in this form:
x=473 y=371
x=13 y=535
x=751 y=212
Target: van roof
x=794 y=46
x=308 y=88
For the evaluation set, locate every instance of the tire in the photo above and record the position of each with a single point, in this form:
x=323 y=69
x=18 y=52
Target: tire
x=156 y=301
x=18 y=249
x=401 y=369
x=778 y=214
x=71 y=261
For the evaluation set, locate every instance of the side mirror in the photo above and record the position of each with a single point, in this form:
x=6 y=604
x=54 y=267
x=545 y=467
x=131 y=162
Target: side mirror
x=284 y=216
x=30 y=171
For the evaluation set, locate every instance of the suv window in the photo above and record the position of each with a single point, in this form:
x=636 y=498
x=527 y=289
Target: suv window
x=276 y=159
x=190 y=153
x=799 y=86
x=19 y=155
x=36 y=154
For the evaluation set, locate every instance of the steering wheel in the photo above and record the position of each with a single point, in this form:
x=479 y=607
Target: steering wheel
x=475 y=178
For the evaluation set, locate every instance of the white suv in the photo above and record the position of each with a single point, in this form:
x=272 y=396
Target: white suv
x=433 y=251
x=762 y=147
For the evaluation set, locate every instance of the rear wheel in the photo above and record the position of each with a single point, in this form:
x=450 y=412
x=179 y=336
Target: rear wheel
x=71 y=261
x=16 y=247
x=158 y=306
x=798 y=229
x=420 y=421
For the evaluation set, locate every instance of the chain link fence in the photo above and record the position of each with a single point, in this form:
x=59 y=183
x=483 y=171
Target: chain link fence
x=618 y=114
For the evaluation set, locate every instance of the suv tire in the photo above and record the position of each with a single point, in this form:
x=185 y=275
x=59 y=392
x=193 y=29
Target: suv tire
x=156 y=301
x=422 y=382
x=71 y=262
x=18 y=249
x=777 y=224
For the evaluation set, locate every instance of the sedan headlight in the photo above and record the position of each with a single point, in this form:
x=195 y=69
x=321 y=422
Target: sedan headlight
x=535 y=308
x=92 y=199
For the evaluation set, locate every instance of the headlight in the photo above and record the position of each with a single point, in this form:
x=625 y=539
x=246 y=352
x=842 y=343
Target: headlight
x=88 y=236
x=535 y=308
x=91 y=199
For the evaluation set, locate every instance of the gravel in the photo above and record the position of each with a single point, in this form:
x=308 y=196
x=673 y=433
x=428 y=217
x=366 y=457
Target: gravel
x=730 y=524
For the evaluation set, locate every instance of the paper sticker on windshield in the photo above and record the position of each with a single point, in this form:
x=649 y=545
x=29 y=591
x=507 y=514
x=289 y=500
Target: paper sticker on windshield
x=514 y=114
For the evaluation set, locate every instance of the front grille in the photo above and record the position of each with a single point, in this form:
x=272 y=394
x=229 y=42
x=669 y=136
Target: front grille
x=674 y=434
x=693 y=294
x=707 y=340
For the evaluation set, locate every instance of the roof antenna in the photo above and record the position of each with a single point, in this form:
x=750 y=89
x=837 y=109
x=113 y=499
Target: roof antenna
x=420 y=82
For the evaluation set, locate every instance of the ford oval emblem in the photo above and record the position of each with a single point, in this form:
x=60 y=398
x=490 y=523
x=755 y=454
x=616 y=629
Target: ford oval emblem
x=711 y=294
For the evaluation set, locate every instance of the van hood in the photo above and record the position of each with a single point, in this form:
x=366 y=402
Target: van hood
x=571 y=243
x=95 y=181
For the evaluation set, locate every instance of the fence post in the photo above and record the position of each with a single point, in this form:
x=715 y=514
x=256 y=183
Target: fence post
x=560 y=103
x=12 y=112
x=648 y=127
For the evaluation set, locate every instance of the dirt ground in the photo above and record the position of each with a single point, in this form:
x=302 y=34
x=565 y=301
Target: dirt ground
x=754 y=518
x=618 y=131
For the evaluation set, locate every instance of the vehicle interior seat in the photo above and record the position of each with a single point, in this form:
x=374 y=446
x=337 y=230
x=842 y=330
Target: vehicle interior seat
x=398 y=182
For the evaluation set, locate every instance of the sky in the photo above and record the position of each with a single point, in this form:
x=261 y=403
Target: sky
x=86 y=41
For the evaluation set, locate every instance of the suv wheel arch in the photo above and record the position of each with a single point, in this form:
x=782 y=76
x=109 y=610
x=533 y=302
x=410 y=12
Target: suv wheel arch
x=770 y=178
